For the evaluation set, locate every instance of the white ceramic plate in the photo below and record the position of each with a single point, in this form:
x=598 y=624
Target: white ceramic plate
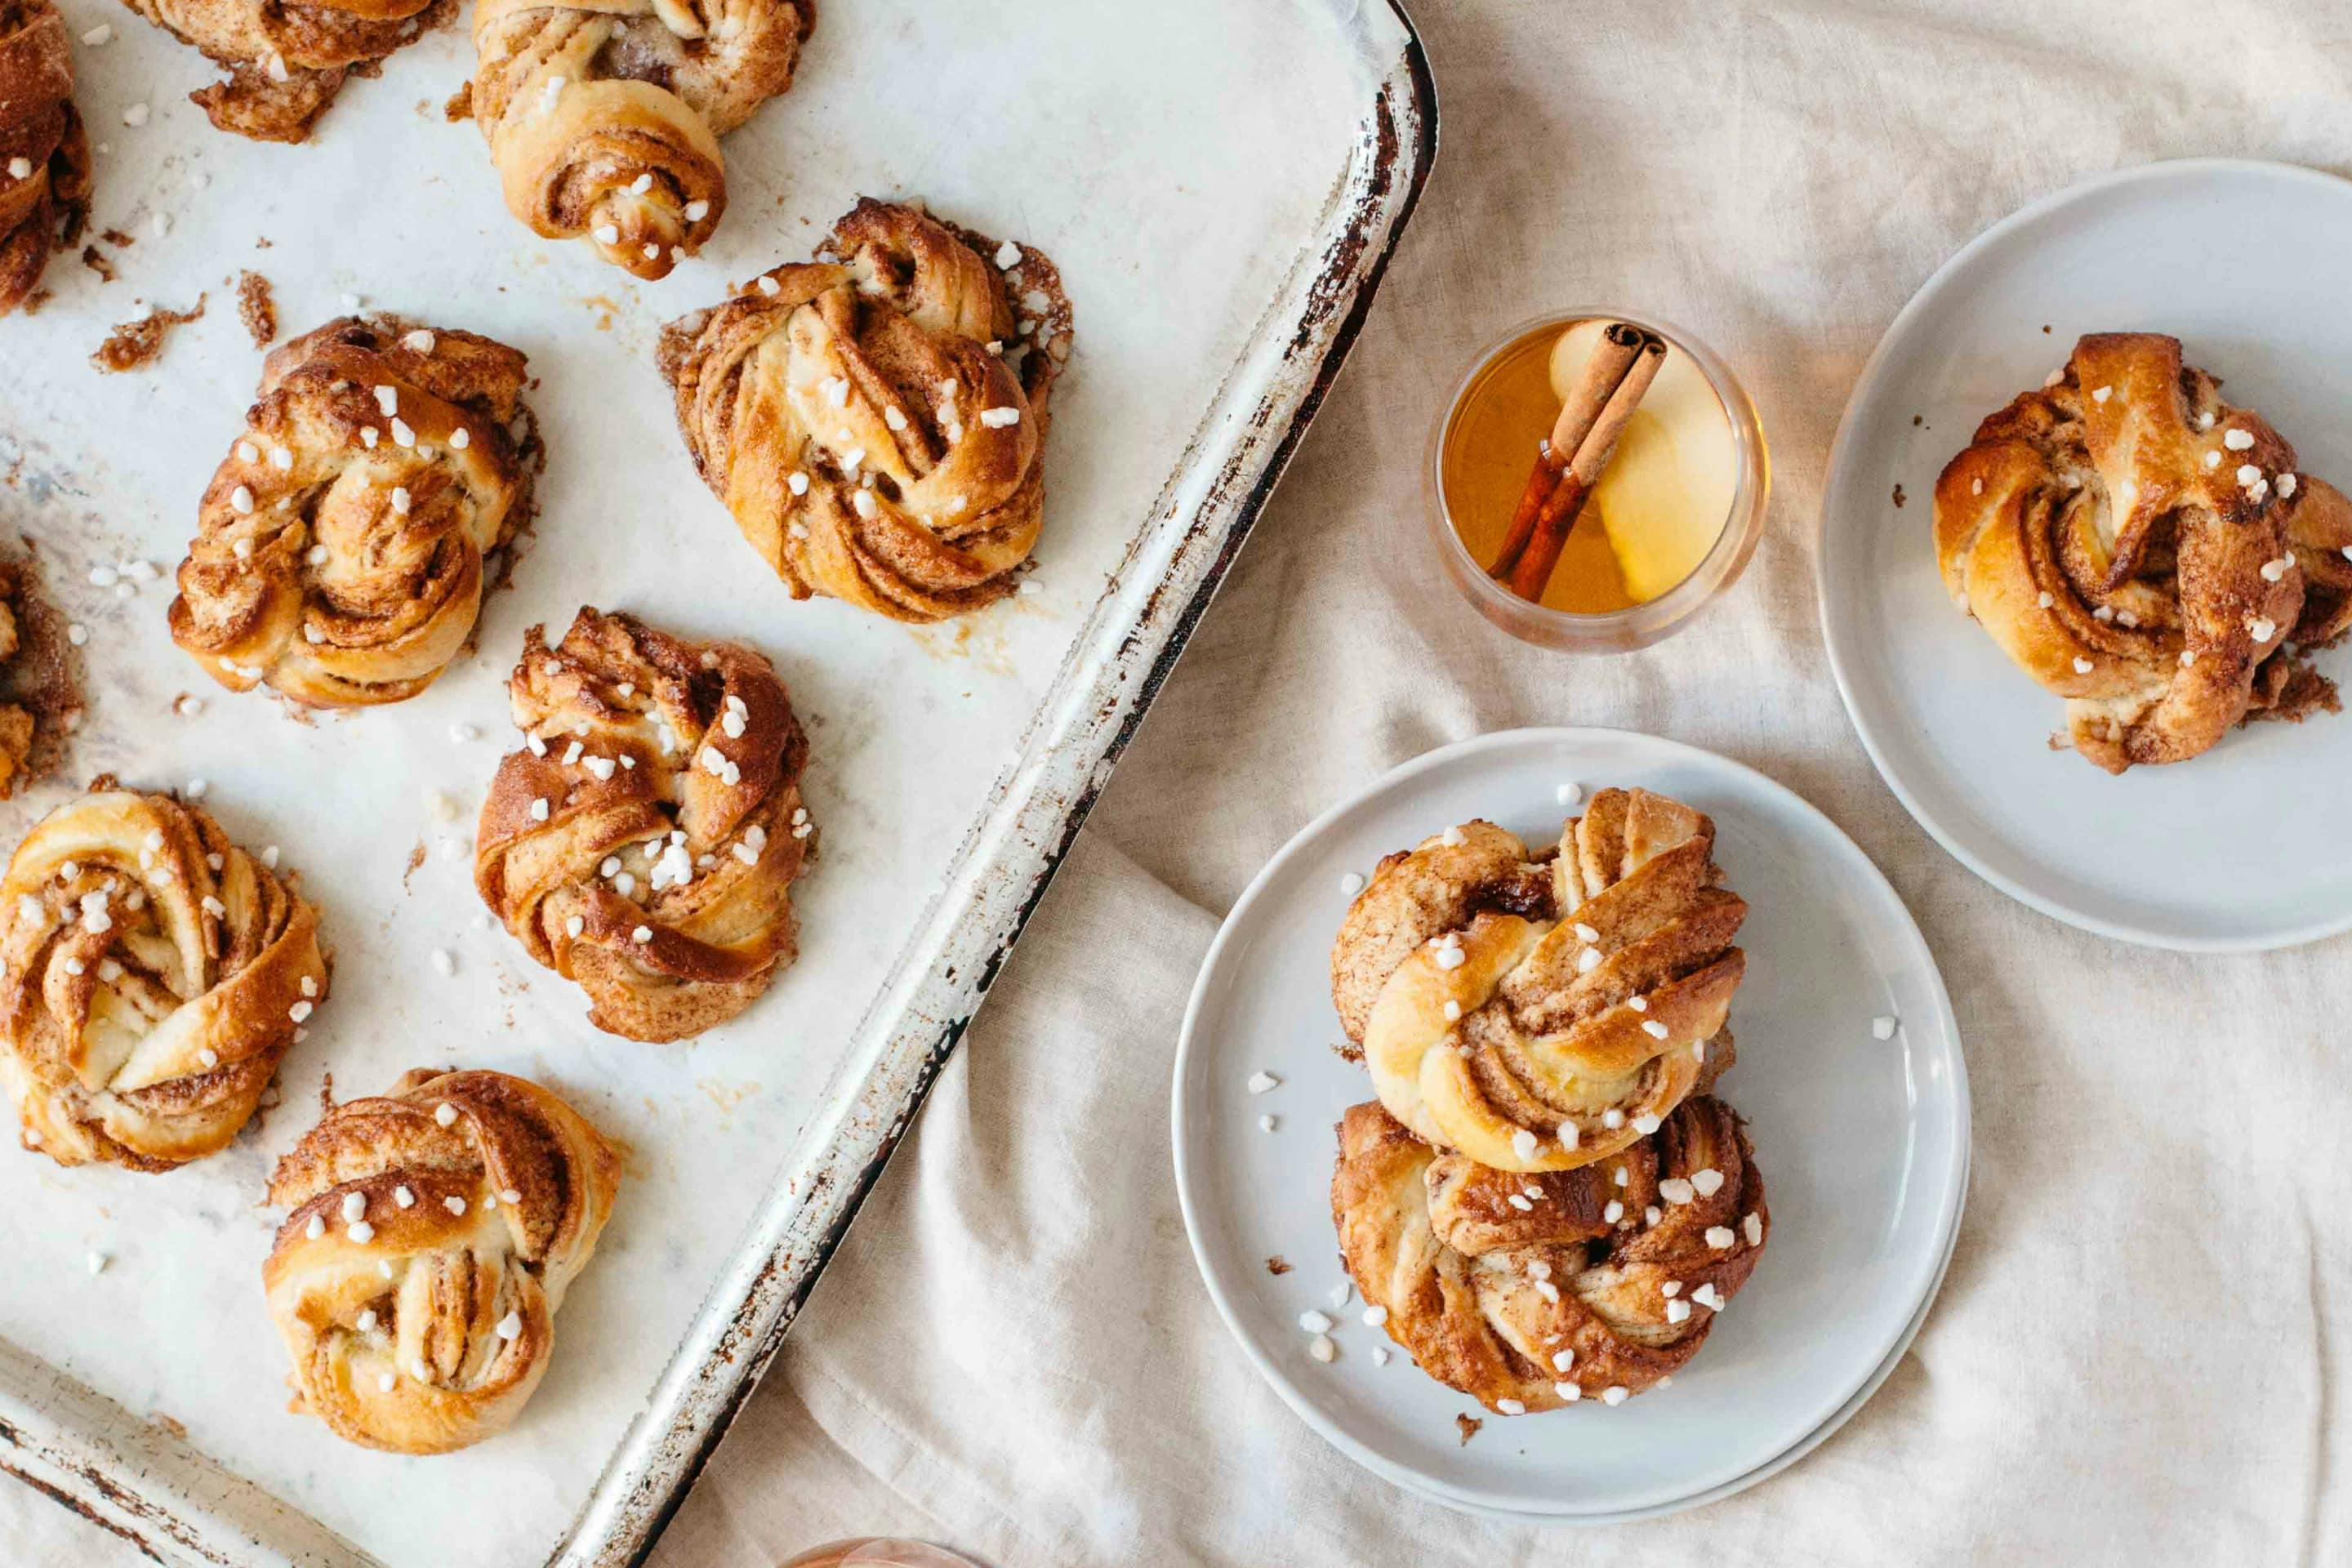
x=2245 y=264
x=1864 y=1143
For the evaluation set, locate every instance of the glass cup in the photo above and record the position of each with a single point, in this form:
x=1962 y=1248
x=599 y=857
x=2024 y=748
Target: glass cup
x=1638 y=626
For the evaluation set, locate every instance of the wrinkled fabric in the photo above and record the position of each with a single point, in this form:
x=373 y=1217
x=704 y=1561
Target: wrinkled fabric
x=2132 y=1359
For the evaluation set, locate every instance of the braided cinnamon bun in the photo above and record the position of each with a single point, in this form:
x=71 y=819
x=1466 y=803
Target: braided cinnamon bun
x=877 y=423
x=286 y=62
x=1540 y=1016
x=2146 y=552
x=434 y=1230
x=340 y=551
x=644 y=842
x=1531 y=1291
x=43 y=155
x=604 y=116
x=152 y=976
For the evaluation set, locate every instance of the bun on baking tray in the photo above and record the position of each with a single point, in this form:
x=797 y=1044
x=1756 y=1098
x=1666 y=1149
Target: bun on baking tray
x=876 y=421
x=286 y=63
x=153 y=974
x=604 y=116
x=44 y=154
x=345 y=546
x=432 y=1234
x=645 y=841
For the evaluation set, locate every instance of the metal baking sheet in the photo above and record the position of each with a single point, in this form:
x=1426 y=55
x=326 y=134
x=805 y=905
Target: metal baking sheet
x=1220 y=183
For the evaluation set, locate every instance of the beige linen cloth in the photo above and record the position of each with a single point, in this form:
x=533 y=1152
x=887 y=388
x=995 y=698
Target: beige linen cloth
x=2137 y=1356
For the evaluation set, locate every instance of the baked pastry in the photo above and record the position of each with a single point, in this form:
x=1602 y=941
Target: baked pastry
x=644 y=842
x=434 y=1230
x=151 y=976
x=2148 y=551
x=1596 y=1283
x=341 y=550
x=41 y=701
x=286 y=62
x=1543 y=1013
x=604 y=116
x=876 y=422
x=44 y=156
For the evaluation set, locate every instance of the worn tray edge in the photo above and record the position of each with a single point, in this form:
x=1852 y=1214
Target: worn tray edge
x=1086 y=725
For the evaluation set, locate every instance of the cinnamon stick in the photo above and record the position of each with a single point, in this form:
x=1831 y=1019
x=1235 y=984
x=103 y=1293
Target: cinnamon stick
x=1548 y=535
x=1612 y=358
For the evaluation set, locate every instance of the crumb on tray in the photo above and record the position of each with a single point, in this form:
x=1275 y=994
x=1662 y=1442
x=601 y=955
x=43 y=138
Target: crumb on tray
x=136 y=343
x=1468 y=1426
x=255 y=309
x=1277 y=1265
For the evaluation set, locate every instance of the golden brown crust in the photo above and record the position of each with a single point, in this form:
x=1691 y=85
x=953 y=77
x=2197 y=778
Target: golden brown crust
x=339 y=549
x=40 y=697
x=1595 y=1283
x=286 y=63
x=2142 y=548
x=877 y=423
x=45 y=169
x=153 y=974
x=646 y=842
x=604 y=116
x=435 y=1231
x=1541 y=1016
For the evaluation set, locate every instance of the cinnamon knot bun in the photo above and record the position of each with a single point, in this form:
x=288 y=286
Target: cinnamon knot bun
x=1540 y=1016
x=1531 y=1291
x=604 y=116
x=43 y=155
x=434 y=1230
x=153 y=974
x=341 y=549
x=644 y=842
x=2146 y=552
x=876 y=422
x=286 y=62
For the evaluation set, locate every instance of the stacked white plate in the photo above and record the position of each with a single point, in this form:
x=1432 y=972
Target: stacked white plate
x=1862 y=1141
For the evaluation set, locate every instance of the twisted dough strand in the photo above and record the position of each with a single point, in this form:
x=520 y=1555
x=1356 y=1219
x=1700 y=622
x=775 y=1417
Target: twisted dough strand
x=153 y=976
x=435 y=1231
x=1540 y=1017
x=2145 y=550
x=1595 y=1283
x=44 y=156
x=877 y=424
x=646 y=841
x=339 y=548
x=286 y=62
x=604 y=116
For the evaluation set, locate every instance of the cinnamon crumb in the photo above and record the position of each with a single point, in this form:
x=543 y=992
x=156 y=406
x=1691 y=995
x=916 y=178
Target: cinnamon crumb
x=136 y=343
x=2291 y=690
x=261 y=242
x=1898 y=489
x=416 y=859
x=1468 y=1426
x=1277 y=1265
x=95 y=259
x=169 y=1424
x=460 y=105
x=1347 y=1051
x=255 y=309
x=117 y=238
